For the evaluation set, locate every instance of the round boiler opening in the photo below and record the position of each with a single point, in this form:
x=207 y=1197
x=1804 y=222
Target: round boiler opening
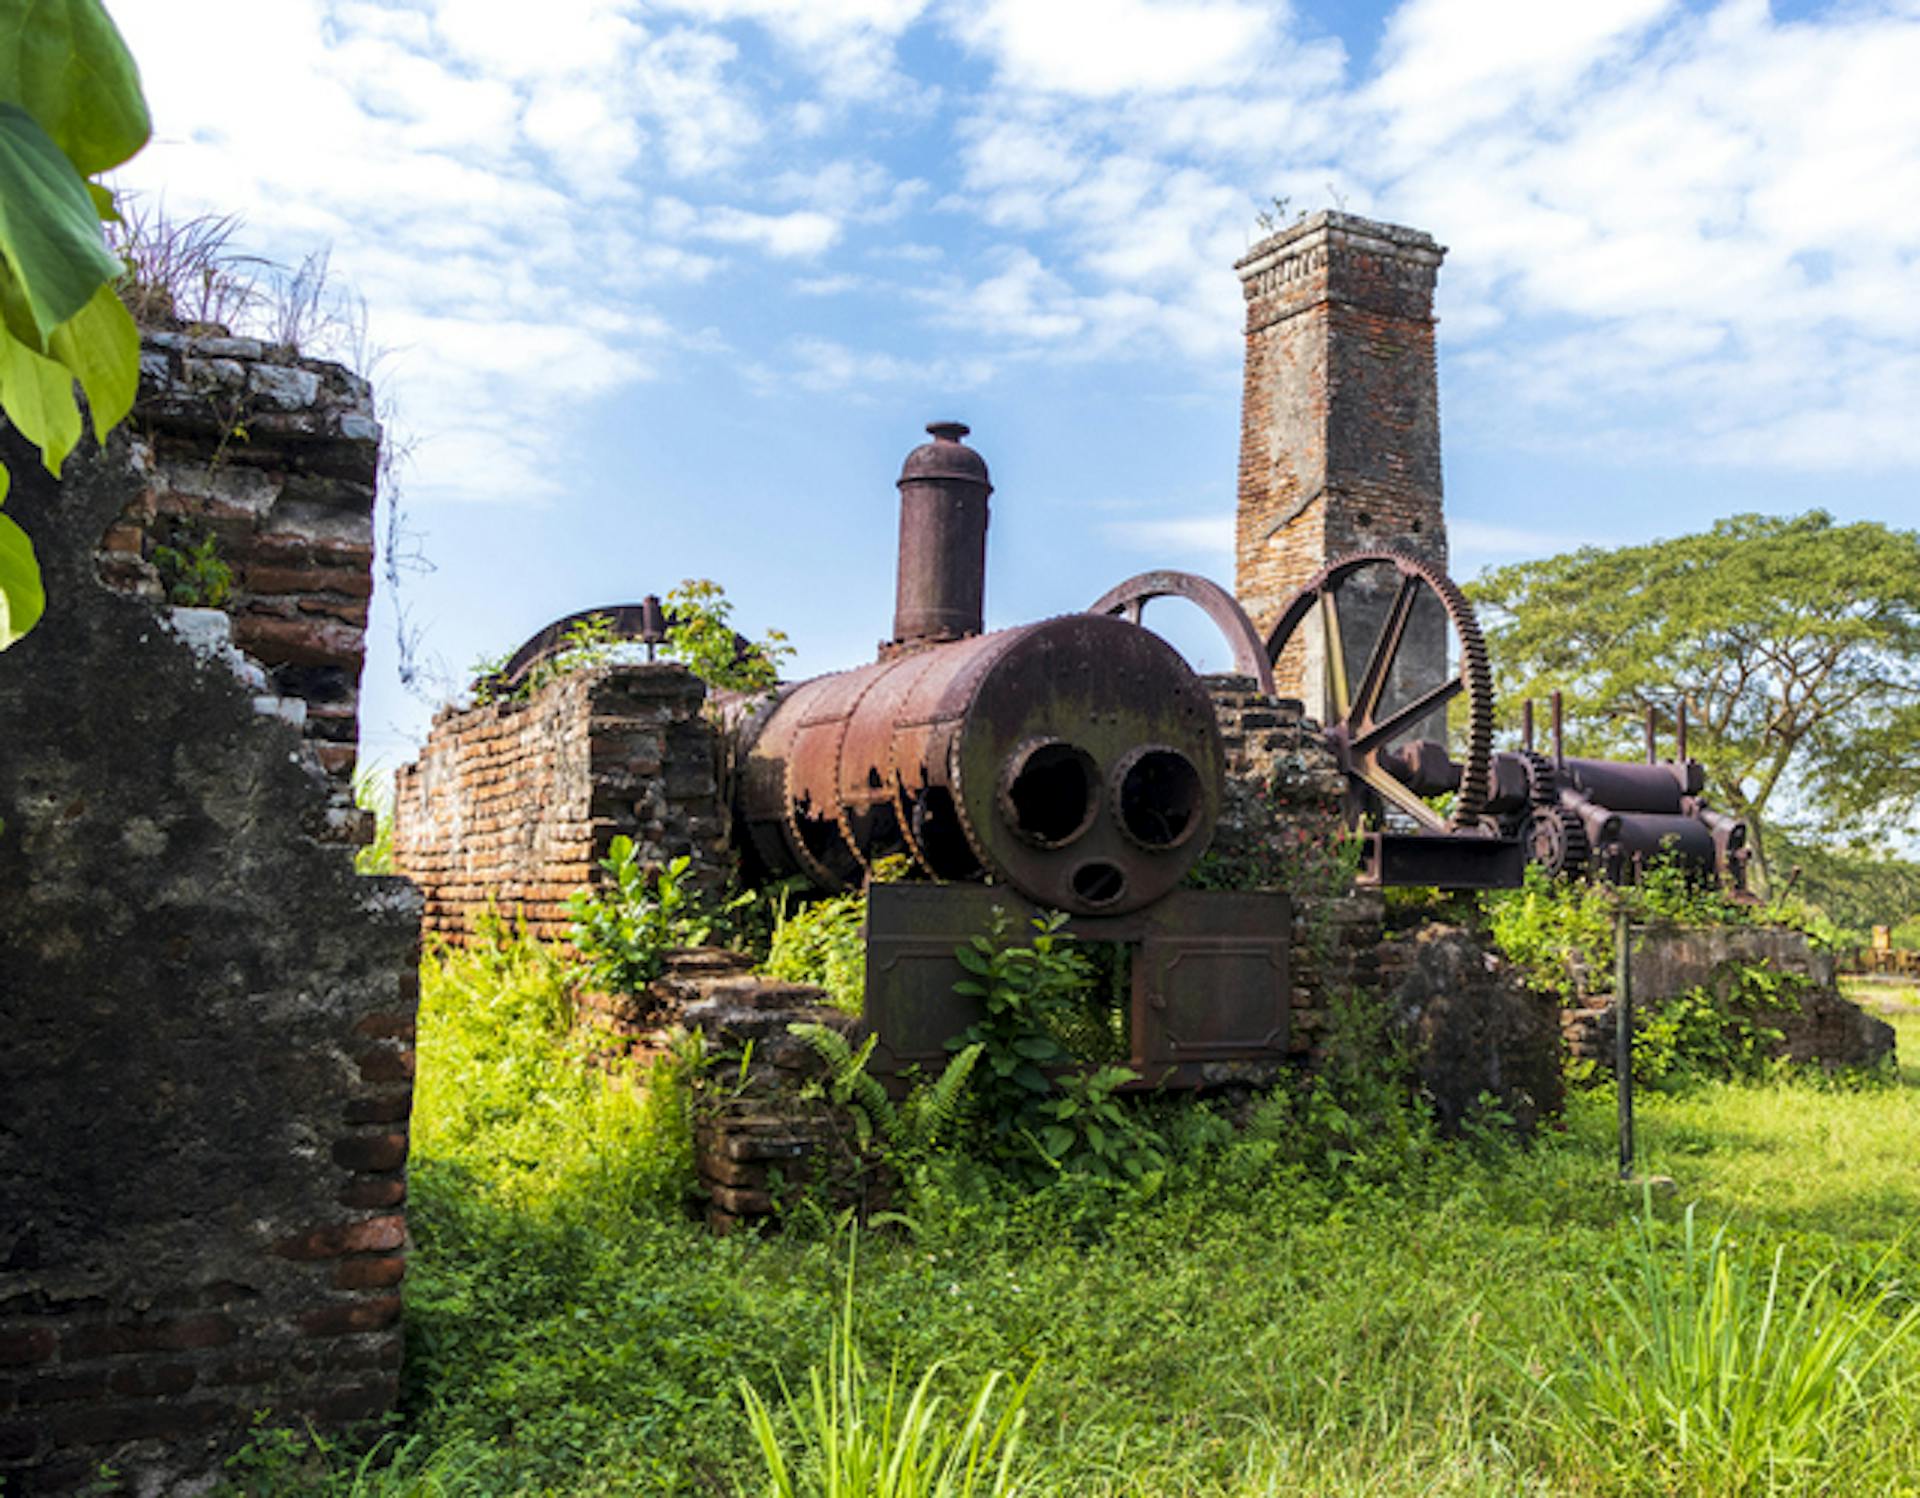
x=1159 y=797
x=1050 y=792
x=1099 y=883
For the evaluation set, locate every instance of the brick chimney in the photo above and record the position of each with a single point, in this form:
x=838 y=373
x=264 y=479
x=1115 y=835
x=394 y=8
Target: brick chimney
x=1340 y=425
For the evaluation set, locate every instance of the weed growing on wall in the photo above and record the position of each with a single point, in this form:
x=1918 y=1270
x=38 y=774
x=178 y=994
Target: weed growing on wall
x=701 y=637
x=823 y=943
x=624 y=927
x=193 y=572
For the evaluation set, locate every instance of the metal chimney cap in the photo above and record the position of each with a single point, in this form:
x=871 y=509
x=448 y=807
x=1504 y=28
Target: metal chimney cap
x=946 y=457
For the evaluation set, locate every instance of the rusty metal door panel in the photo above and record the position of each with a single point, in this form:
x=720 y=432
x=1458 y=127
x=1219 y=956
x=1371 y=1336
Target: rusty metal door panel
x=1212 y=981
x=912 y=930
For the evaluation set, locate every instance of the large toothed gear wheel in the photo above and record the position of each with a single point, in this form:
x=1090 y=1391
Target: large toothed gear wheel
x=1356 y=728
x=1556 y=840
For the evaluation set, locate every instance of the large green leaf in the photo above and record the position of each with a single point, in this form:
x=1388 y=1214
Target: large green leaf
x=37 y=395
x=22 y=599
x=49 y=228
x=15 y=315
x=64 y=63
x=100 y=344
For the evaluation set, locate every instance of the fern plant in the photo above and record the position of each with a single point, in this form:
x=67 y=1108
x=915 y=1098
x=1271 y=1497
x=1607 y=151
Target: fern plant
x=910 y=1129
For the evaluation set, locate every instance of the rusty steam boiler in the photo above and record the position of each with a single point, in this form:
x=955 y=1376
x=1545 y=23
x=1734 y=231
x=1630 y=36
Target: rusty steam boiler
x=1076 y=760
x=1072 y=764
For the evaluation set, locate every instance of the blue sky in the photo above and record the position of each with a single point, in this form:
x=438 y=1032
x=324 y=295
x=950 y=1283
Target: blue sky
x=668 y=290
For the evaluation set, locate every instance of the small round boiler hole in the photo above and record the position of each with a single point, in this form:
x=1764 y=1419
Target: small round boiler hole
x=1159 y=798
x=1099 y=883
x=1050 y=792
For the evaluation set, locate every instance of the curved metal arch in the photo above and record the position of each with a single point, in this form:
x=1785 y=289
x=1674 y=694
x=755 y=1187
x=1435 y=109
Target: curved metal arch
x=646 y=621
x=1250 y=657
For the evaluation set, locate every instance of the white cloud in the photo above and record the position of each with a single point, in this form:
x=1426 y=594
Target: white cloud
x=1101 y=48
x=800 y=234
x=1206 y=538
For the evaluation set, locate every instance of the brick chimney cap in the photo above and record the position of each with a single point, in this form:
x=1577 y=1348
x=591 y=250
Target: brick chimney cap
x=1333 y=225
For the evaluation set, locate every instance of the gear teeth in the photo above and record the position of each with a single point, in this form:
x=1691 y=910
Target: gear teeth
x=1476 y=771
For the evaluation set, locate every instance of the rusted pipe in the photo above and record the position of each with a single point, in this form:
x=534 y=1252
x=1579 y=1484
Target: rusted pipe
x=940 y=584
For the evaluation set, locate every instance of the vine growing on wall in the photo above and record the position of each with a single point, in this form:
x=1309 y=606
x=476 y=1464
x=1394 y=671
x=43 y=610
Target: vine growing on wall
x=71 y=108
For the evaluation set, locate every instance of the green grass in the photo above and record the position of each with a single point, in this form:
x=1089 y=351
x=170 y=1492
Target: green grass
x=1406 y=1324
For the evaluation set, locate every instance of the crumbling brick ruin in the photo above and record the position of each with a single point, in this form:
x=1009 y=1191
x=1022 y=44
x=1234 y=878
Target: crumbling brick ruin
x=512 y=804
x=208 y=1015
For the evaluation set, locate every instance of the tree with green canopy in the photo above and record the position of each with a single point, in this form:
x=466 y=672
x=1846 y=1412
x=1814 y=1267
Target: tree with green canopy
x=70 y=109
x=1793 y=641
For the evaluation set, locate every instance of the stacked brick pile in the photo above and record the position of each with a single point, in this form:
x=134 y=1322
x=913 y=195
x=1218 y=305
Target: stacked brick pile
x=275 y=458
x=512 y=804
x=758 y=1136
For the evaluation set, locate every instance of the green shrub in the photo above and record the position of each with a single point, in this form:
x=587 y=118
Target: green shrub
x=702 y=638
x=623 y=929
x=193 y=573
x=1558 y=932
x=822 y=942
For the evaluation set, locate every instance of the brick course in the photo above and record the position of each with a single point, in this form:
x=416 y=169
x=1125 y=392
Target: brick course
x=512 y=804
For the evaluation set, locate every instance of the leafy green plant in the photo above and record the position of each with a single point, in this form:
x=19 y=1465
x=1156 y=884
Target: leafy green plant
x=70 y=109
x=193 y=572
x=700 y=636
x=1558 y=932
x=1085 y=1129
x=588 y=643
x=624 y=929
x=821 y=942
x=862 y=1439
x=1716 y=1030
x=1713 y=1372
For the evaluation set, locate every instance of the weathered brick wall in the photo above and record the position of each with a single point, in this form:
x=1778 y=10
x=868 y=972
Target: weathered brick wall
x=1340 y=423
x=513 y=803
x=276 y=458
x=208 y=1016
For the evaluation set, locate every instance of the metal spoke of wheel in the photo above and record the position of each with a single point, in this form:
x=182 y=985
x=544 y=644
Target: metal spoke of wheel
x=1339 y=704
x=1382 y=734
x=1385 y=648
x=1393 y=791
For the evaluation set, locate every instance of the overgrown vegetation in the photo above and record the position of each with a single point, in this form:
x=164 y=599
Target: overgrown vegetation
x=700 y=635
x=1311 y=1301
x=623 y=927
x=193 y=571
x=821 y=942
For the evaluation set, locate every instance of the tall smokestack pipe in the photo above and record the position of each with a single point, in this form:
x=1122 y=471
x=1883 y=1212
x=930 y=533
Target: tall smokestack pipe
x=940 y=586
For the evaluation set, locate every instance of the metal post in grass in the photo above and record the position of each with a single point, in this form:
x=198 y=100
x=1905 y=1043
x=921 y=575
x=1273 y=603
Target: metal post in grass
x=1623 y=1032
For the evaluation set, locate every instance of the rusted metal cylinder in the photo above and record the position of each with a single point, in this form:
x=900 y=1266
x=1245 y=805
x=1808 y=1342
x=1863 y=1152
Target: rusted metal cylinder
x=940 y=585
x=1077 y=760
